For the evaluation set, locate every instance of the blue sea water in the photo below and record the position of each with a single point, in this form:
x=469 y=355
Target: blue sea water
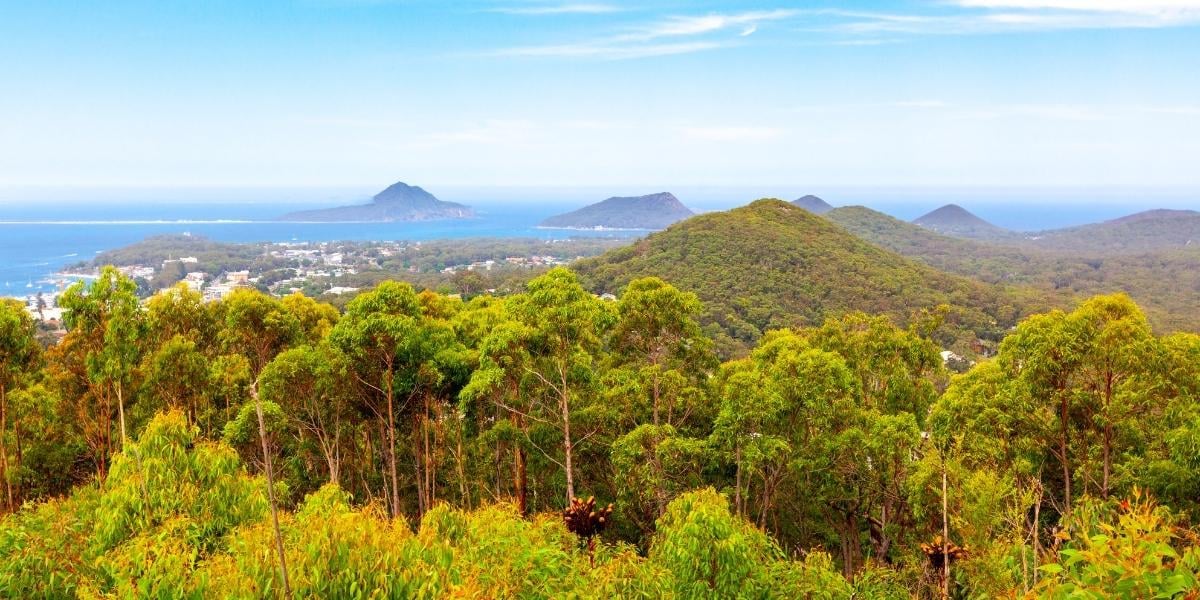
x=43 y=231
x=36 y=243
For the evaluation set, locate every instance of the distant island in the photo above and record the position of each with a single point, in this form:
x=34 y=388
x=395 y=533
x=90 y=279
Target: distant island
x=399 y=202
x=654 y=211
x=813 y=204
x=955 y=220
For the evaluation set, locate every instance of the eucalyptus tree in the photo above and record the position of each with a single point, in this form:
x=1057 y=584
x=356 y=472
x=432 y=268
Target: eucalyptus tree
x=552 y=349
x=308 y=384
x=743 y=427
x=181 y=311
x=19 y=355
x=874 y=426
x=176 y=376
x=315 y=319
x=376 y=326
x=256 y=326
x=656 y=334
x=401 y=358
x=1090 y=374
x=497 y=384
x=108 y=323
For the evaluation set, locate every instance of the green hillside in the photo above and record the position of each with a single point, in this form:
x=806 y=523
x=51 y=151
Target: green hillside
x=772 y=264
x=1165 y=282
x=1137 y=233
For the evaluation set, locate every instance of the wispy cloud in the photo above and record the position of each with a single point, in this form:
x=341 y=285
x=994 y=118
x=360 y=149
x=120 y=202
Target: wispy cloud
x=559 y=9
x=711 y=23
x=609 y=50
x=731 y=134
x=1001 y=16
x=1144 y=7
x=668 y=36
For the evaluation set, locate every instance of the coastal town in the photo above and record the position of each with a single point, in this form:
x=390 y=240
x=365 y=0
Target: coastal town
x=333 y=271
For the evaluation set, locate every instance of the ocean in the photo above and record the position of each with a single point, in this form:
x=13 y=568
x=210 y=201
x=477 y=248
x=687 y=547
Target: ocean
x=35 y=244
x=41 y=233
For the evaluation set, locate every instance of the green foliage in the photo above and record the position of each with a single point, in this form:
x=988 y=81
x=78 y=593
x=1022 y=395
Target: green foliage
x=476 y=420
x=1148 y=259
x=772 y=265
x=1135 y=557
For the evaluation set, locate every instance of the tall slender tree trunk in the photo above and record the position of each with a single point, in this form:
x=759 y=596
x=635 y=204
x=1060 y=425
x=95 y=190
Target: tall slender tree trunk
x=520 y=476
x=1063 y=444
x=461 y=464
x=564 y=399
x=1035 y=531
x=121 y=413
x=655 y=391
x=392 y=446
x=418 y=446
x=850 y=545
x=568 y=448
x=4 y=447
x=430 y=462
x=262 y=436
x=945 y=536
x=737 y=481
x=1108 y=433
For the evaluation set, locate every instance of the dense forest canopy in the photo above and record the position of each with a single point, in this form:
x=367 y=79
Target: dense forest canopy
x=772 y=264
x=418 y=445
x=1146 y=256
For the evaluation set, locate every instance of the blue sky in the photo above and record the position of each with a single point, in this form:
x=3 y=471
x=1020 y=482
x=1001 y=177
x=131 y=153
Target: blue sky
x=601 y=93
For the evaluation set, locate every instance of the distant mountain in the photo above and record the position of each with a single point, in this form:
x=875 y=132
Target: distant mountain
x=399 y=202
x=1055 y=270
x=1147 y=231
x=772 y=264
x=1156 y=214
x=989 y=262
x=813 y=204
x=957 y=221
x=655 y=211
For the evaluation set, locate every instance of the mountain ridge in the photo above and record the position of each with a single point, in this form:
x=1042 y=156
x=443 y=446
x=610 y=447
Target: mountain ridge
x=772 y=264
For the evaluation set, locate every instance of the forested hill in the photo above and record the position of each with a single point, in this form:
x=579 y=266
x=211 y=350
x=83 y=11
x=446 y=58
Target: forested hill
x=772 y=264
x=1163 y=281
x=955 y=220
x=1141 y=232
x=990 y=263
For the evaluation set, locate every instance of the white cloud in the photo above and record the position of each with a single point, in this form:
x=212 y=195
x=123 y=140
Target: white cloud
x=654 y=39
x=1001 y=16
x=731 y=134
x=1143 y=7
x=711 y=23
x=560 y=9
x=609 y=50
